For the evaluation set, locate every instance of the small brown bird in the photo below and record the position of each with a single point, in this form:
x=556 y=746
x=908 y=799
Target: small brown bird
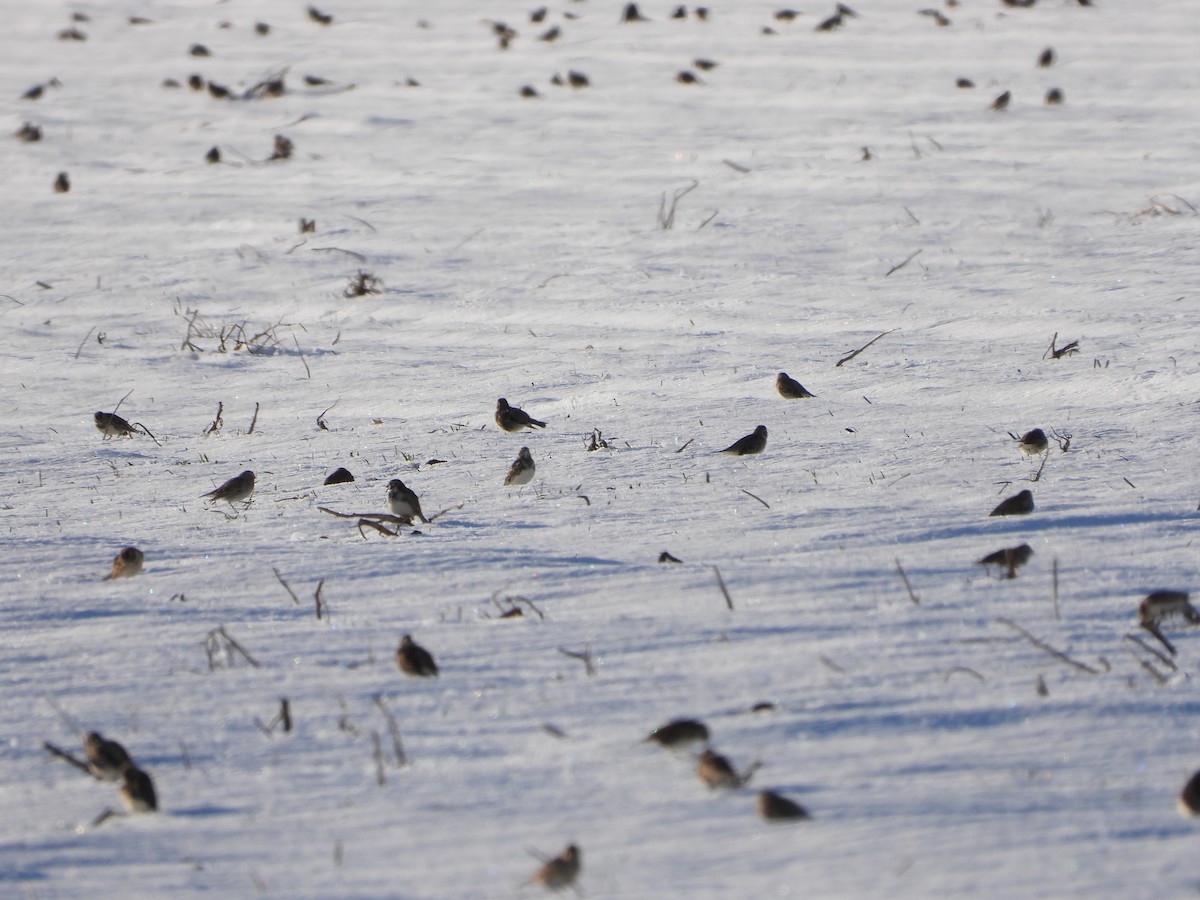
x=137 y=790
x=632 y=14
x=1016 y=505
x=755 y=442
x=1189 y=797
x=62 y=184
x=1010 y=557
x=237 y=488
x=1001 y=102
x=777 y=808
x=789 y=388
x=112 y=425
x=413 y=659
x=1046 y=59
x=1032 y=442
x=522 y=469
x=560 y=872
x=1054 y=97
x=679 y=732
x=1161 y=607
x=510 y=418
x=403 y=502
x=127 y=563
x=105 y=758
x=716 y=771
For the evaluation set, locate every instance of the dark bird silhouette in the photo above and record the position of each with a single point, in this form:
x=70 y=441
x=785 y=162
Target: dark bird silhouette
x=510 y=418
x=1032 y=442
x=1001 y=102
x=413 y=659
x=1189 y=797
x=755 y=442
x=137 y=790
x=789 y=388
x=560 y=872
x=126 y=564
x=1046 y=59
x=105 y=758
x=631 y=13
x=1010 y=557
x=716 y=771
x=679 y=732
x=1054 y=97
x=1017 y=505
x=339 y=476
x=777 y=808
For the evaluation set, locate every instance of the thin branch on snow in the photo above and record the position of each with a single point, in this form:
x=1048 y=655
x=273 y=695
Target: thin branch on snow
x=1042 y=645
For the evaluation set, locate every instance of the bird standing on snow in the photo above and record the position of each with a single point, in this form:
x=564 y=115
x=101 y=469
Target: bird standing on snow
x=522 y=469
x=510 y=418
x=413 y=659
x=751 y=443
x=678 y=732
x=1016 y=505
x=137 y=790
x=237 y=488
x=105 y=758
x=560 y=872
x=1189 y=797
x=112 y=425
x=776 y=807
x=1033 y=442
x=126 y=564
x=716 y=771
x=403 y=502
x=789 y=388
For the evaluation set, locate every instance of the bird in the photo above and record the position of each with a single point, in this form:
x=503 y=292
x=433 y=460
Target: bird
x=1001 y=102
x=1046 y=59
x=560 y=872
x=522 y=469
x=413 y=659
x=1016 y=505
x=716 y=771
x=789 y=388
x=111 y=425
x=105 y=758
x=777 y=808
x=403 y=502
x=1054 y=96
x=1009 y=557
x=237 y=488
x=751 y=443
x=1189 y=797
x=137 y=790
x=510 y=418
x=678 y=732
x=127 y=563
x=1032 y=442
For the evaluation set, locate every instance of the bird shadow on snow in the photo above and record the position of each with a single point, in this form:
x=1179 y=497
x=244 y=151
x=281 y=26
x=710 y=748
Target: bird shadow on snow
x=1035 y=523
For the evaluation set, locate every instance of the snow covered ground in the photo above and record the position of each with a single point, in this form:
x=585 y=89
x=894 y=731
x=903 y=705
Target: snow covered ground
x=520 y=252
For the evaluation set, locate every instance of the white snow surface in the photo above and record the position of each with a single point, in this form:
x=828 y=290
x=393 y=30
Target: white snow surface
x=519 y=252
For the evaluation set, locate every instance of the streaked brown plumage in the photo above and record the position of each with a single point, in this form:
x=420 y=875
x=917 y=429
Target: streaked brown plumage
x=560 y=872
x=522 y=469
x=716 y=771
x=755 y=442
x=413 y=659
x=777 y=808
x=510 y=418
x=1010 y=557
x=126 y=564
